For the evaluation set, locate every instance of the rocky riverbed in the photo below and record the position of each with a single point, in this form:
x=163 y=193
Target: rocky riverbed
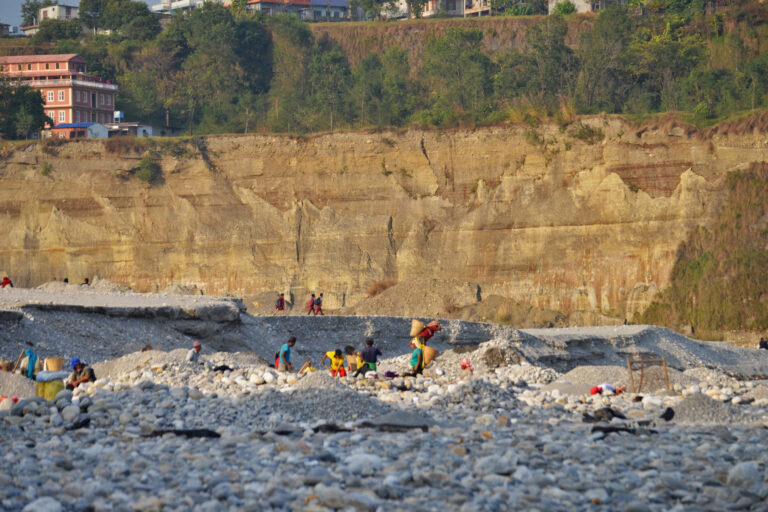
x=155 y=432
x=509 y=438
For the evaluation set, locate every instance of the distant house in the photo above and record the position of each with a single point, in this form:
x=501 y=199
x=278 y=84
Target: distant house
x=52 y=12
x=455 y=8
x=78 y=131
x=586 y=5
x=70 y=94
x=331 y=10
x=169 y=6
x=5 y=30
x=129 y=130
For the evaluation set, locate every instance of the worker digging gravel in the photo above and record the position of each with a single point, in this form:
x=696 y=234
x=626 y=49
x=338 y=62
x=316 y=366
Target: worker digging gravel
x=80 y=373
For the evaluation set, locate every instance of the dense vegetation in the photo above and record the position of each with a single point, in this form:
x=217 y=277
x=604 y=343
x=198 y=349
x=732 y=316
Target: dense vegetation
x=720 y=279
x=218 y=69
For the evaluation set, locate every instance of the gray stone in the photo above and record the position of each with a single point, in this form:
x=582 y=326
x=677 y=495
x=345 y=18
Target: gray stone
x=70 y=413
x=64 y=394
x=745 y=473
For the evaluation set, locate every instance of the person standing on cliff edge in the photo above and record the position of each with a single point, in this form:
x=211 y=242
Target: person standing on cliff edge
x=311 y=305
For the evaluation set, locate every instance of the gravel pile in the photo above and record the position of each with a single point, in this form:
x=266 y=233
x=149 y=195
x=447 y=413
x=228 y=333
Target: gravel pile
x=321 y=379
x=318 y=404
x=653 y=377
x=758 y=393
x=699 y=408
x=136 y=361
x=16 y=385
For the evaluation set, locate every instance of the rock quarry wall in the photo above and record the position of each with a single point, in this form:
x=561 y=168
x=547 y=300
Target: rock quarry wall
x=533 y=214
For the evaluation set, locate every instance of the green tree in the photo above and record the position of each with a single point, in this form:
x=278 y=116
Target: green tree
x=519 y=7
x=330 y=80
x=131 y=19
x=30 y=9
x=604 y=79
x=367 y=91
x=92 y=13
x=555 y=62
x=564 y=8
x=658 y=62
x=457 y=73
x=288 y=91
x=52 y=30
x=21 y=110
x=397 y=100
x=416 y=7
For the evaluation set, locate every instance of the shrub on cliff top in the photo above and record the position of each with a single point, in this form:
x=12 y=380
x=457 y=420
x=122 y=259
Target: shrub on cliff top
x=125 y=145
x=149 y=169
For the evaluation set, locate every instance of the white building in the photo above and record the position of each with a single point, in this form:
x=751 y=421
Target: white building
x=455 y=8
x=53 y=12
x=168 y=6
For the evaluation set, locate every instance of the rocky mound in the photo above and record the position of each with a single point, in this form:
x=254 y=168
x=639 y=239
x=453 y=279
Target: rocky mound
x=16 y=385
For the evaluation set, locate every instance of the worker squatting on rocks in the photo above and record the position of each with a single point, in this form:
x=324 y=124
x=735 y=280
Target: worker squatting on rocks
x=369 y=356
x=193 y=356
x=80 y=373
x=6 y=282
x=336 y=358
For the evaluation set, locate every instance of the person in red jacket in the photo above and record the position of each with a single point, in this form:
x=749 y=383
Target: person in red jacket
x=429 y=331
x=311 y=305
x=280 y=304
x=6 y=282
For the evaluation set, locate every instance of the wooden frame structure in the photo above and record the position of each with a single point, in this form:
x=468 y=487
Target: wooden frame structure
x=642 y=363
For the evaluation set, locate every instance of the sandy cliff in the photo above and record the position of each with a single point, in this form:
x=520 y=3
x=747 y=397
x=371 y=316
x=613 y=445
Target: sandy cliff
x=532 y=214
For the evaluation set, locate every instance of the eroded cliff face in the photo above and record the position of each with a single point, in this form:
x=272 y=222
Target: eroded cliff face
x=535 y=215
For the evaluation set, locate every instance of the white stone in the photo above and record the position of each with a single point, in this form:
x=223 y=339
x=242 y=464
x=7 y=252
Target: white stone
x=365 y=464
x=46 y=504
x=268 y=377
x=651 y=402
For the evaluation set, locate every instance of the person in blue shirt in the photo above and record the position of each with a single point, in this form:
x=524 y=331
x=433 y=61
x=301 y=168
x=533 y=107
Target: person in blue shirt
x=284 y=356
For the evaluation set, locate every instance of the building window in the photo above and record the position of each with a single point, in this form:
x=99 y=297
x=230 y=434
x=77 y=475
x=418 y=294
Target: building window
x=29 y=67
x=18 y=67
x=61 y=95
x=77 y=116
x=62 y=116
x=50 y=96
x=101 y=99
x=57 y=65
x=77 y=96
x=47 y=66
x=109 y=100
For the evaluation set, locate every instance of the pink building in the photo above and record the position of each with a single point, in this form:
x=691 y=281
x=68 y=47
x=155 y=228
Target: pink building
x=70 y=94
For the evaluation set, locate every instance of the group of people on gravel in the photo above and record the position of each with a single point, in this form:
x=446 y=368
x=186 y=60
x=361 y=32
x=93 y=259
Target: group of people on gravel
x=364 y=361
